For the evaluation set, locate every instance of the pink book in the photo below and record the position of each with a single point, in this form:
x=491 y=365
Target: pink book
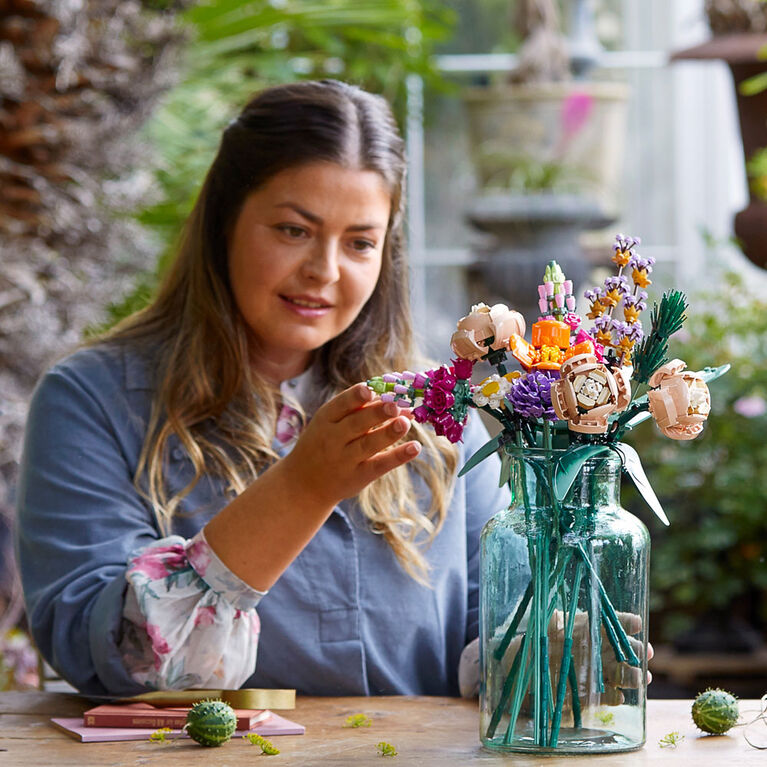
x=273 y=725
x=145 y=715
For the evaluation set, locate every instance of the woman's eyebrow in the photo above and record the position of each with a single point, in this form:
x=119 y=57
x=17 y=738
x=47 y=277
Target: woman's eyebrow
x=315 y=219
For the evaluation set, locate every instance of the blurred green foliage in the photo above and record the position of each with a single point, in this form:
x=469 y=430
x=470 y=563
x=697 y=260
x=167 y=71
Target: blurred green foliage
x=238 y=47
x=714 y=488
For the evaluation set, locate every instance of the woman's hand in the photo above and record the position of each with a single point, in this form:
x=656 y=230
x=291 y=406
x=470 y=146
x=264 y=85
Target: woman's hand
x=350 y=441
x=615 y=675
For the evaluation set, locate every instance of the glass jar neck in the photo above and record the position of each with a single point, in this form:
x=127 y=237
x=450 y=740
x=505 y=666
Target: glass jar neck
x=596 y=484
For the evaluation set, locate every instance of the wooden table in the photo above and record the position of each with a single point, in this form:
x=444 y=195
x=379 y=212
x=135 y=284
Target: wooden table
x=425 y=731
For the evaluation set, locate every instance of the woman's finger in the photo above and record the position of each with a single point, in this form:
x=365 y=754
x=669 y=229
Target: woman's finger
x=624 y=675
x=386 y=460
x=608 y=654
x=381 y=438
x=631 y=622
x=370 y=416
x=347 y=401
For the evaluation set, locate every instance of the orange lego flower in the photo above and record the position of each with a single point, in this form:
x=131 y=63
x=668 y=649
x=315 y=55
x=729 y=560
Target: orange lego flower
x=641 y=278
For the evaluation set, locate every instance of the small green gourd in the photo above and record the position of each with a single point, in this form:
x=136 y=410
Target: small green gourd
x=715 y=711
x=211 y=722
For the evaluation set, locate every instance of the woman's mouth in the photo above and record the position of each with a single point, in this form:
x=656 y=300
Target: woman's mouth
x=306 y=306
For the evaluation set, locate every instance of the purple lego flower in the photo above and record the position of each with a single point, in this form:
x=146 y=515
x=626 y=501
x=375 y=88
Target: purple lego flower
x=625 y=243
x=640 y=262
x=530 y=396
x=619 y=283
x=634 y=332
x=594 y=294
x=619 y=328
x=637 y=301
x=604 y=323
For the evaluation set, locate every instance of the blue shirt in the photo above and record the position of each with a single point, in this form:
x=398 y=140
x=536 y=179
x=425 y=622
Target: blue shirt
x=344 y=618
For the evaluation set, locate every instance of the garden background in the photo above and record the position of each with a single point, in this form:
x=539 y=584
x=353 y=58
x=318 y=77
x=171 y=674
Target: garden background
x=109 y=115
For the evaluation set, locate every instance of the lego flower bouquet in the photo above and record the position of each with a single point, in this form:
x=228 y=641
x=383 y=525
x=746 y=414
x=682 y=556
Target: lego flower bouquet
x=563 y=581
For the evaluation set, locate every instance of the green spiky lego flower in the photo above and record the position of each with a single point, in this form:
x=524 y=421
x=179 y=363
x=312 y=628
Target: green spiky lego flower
x=715 y=711
x=211 y=722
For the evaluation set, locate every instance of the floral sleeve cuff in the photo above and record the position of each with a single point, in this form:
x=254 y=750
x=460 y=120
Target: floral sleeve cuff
x=218 y=576
x=187 y=620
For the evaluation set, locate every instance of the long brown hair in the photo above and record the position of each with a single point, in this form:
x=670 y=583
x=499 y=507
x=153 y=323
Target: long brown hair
x=207 y=392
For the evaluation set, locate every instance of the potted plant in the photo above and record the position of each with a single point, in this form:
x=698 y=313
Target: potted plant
x=540 y=130
x=547 y=150
x=739 y=29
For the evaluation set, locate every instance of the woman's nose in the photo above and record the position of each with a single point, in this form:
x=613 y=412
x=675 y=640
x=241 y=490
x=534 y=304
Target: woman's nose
x=322 y=263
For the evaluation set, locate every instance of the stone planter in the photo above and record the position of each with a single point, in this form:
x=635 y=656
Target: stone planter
x=563 y=137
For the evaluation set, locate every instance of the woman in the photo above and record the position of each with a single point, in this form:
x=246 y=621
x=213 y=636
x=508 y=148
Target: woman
x=172 y=523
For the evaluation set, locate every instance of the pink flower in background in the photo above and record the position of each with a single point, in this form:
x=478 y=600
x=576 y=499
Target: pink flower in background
x=752 y=406
x=205 y=616
x=576 y=110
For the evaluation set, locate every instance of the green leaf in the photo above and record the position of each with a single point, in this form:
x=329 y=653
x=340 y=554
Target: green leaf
x=636 y=420
x=570 y=464
x=505 y=469
x=633 y=467
x=711 y=374
x=484 y=452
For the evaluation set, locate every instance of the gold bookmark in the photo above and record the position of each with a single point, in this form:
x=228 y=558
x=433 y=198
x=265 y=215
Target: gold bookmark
x=248 y=698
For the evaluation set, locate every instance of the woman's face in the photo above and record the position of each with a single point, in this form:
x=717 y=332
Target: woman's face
x=304 y=258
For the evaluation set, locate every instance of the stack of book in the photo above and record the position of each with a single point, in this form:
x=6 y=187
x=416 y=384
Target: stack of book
x=137 y=721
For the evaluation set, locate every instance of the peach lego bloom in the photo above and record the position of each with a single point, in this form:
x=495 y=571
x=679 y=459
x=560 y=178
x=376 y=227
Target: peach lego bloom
x=587 y=392
x=679 y=400
x=497 y=322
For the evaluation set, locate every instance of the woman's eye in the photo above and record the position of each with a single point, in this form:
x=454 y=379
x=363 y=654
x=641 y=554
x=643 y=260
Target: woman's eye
x=363 y=246
x=292 y=231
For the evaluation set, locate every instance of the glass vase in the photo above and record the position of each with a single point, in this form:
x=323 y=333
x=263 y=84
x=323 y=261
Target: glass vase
x=563 y=610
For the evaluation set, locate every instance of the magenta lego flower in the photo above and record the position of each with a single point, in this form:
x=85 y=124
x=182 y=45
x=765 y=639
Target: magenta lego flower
x=443 y=378
x=446 y=426
x=463 y=368
x=421 y=414
x=573 y=320
x=438 y=399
